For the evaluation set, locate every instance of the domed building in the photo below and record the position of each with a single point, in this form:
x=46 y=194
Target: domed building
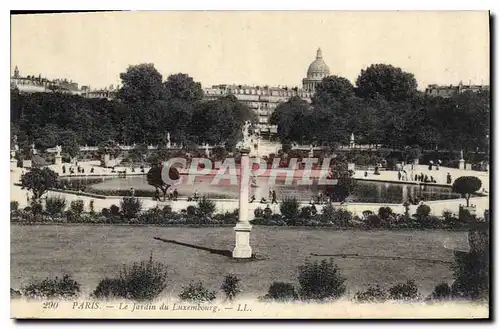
x=316 y=72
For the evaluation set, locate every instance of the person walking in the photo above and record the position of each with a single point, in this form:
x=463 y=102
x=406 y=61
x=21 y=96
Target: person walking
x=274 y=198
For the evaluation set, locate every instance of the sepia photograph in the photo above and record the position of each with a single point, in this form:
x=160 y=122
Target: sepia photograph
x=250 y=165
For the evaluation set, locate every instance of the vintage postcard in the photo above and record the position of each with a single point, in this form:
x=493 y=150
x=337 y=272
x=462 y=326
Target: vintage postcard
x=250 y=164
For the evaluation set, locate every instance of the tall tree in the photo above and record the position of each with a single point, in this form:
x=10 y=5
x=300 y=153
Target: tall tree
x=181 y=86
x=141 y=84
x=332 y=88
x=391 y=82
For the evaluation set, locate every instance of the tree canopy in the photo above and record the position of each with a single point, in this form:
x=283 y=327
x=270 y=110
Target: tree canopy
x=390 y=82
x=466 y=186
x=146 y=109
x=39 y=181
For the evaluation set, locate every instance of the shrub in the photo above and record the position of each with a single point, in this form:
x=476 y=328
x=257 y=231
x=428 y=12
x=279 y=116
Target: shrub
x=114 y=210
x=36 y=208
x=76 y=206
x=267 y=212
x=371 y=295
x=152 y=216
x=305 y=212
x=191 y=210
x=55 y=205
x=342 y=217
x=281 y=292
x=53 y=288
x=471 y=269
x=231 y=286
x=206 y=207
x=196 y=292
x=110 y=289
x=14 y=206
x=167 y=210
x=423 y=211
x=404 y=291
x=441 y=291
x=105 y=212
x=320 y=281
x=384 y=213
x=144 y=280
x=328 y=213
x=367 y=213
x=373 y=221
x=130 y=207
x=289 y=209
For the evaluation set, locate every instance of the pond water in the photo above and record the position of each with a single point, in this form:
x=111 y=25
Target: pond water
x=365 y=191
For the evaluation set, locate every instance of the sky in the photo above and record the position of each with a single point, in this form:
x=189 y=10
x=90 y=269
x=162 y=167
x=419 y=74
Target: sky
x=254 y=48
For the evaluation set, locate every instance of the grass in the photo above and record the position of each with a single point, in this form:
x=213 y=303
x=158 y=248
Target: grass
x=91 y=253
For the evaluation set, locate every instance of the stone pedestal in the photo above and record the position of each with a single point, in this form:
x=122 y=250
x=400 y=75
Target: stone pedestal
x=415 y=161
x=351 y=166
x=242 y=247
x=58 y=160
x=468 y=166
x=461 y=164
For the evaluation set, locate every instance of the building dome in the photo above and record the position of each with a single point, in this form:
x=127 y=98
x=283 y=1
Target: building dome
x=318 y=69
x=315 y=73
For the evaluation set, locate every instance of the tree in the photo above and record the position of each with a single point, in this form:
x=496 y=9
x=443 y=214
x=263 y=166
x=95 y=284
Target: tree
x=216 y=121
x=39 y=181
x=345 y=183
x=142 y=84
x=155 y=179
x=390 y=82
x=332 y=88
x=293 y=119
x=182 y=87
x=466 y=186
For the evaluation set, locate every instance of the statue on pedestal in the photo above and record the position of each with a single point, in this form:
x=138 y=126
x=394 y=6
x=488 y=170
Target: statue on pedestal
x=246 y=143
x=461 y=154
x=169 y=144
x=58 y=150
x=207 y=151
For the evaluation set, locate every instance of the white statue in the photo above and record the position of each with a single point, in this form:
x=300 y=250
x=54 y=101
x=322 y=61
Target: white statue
x=12 y=154
x=461 y=154
x=33 y=149
x=311 y=151
x=246 y=143
x=207 y=152
x=16 y=147
x=168 y=140
x=58 y=150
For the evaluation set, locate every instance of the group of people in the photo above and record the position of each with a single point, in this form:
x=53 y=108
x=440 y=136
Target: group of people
x=424 y=178
x=79 y=169
x=272 y=197
x=172 y=195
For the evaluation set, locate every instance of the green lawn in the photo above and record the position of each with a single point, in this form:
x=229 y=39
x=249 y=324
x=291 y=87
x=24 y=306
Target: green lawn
x=89 y=253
